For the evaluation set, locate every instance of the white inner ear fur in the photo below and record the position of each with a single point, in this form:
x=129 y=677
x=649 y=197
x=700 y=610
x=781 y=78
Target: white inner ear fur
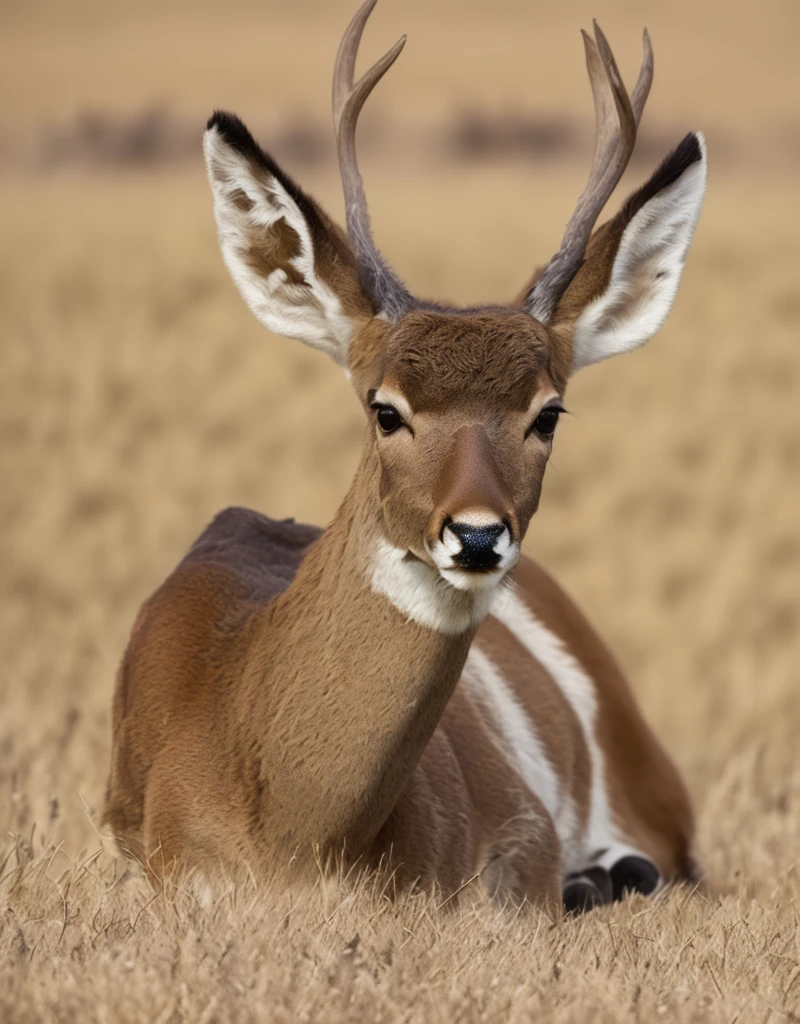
x=310 y=312
x=646 y=271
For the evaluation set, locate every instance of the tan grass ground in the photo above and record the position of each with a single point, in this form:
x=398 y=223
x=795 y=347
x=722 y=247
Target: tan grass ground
x=138 y=397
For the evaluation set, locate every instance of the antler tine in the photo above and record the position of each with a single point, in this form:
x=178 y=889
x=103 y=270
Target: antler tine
x=344 y=69
x=386 y=290
x=617 y=119
x=618 y=140
x=642 y=88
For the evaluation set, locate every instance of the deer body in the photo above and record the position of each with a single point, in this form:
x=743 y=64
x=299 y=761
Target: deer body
x=531 y=762
x=404 y=687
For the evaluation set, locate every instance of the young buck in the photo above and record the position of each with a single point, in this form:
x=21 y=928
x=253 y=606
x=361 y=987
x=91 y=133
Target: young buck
x=405 y=687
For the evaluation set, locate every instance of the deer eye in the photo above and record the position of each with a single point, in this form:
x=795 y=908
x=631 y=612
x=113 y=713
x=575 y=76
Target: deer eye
x=546 y=422
x=389 y=419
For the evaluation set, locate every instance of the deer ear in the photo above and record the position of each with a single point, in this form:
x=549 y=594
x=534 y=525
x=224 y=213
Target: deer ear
x=625 y=288
x=291 y=263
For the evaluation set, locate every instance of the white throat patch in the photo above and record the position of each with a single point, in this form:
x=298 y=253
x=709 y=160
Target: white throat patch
x=421 y=594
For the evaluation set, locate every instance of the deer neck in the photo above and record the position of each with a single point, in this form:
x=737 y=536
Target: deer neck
x=366 y=647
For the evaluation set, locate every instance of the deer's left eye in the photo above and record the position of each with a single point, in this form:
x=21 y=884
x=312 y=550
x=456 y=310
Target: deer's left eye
x=546 y=422
x=389 y=419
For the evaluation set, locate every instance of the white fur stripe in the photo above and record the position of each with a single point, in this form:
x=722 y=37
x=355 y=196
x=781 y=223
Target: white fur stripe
x=514 y=736
x=579 y=691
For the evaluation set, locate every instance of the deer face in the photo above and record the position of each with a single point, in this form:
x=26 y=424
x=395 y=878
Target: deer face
x=462 y=408
x=462 y=403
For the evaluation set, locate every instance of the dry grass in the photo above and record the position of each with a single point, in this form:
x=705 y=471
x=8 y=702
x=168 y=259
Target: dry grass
x=138 y=397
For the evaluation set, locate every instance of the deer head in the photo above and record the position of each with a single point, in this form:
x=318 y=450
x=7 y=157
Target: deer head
x=462 y=404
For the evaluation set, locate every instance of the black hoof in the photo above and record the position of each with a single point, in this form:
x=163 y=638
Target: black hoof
x=592 y=888
x=602 y=879
x=634 y=874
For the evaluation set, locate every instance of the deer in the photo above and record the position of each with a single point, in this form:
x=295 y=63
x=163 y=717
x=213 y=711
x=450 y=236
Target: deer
x=406 y=687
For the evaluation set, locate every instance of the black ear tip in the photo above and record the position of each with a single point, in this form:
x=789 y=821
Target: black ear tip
x=233 y=132
x=691 y=148
x=223 y=121
x=689 y=151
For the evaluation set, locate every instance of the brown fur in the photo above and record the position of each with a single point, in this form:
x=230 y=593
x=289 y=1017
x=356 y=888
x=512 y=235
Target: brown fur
x=470 y=480
x=272 y=249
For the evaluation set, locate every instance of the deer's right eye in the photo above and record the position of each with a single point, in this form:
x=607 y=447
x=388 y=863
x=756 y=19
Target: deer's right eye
x=389 y=419
x=546 y=422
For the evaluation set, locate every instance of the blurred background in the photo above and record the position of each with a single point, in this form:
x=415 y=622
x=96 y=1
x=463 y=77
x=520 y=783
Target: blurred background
x=138 y=396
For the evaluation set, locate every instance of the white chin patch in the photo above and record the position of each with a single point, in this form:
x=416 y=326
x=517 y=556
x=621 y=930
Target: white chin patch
x=448 y=600
x=472 y=582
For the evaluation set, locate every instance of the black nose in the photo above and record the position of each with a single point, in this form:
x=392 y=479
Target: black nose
x=477 y=545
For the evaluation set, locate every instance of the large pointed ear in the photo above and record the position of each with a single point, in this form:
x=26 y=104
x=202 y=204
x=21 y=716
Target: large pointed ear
x=626 y=285
x=293 y=266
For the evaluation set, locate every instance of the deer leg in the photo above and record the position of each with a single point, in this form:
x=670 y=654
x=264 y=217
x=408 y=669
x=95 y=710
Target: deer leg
x=524 y=863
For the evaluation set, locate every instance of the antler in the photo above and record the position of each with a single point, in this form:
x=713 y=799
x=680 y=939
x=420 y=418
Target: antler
x=384 y=287
x=617 y=119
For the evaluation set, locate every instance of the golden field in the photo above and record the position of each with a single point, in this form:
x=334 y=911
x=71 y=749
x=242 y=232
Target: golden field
x=138 y=397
